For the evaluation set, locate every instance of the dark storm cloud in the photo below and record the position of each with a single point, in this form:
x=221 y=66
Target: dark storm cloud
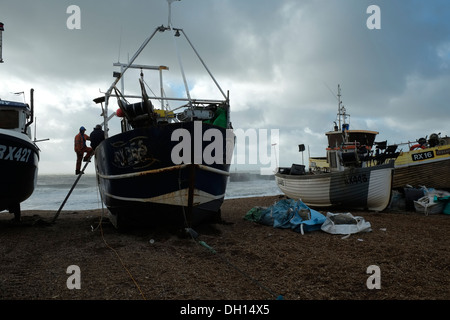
x=281 y=61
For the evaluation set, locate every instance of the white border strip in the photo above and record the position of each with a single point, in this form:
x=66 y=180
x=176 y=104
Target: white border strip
x=178 y=198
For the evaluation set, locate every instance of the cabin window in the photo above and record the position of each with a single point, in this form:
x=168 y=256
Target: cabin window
x=9 y=119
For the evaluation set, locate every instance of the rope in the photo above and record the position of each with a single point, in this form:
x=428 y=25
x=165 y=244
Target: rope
x=114 y=250
x=256 y=282
x=203 y=244
x=99 y=225
x=123 y=264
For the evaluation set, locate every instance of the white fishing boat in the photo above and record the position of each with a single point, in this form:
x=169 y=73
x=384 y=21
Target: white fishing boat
x=352 y=175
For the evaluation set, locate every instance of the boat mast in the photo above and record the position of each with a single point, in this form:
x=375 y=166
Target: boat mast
x=124 y=68
x=176 y=32
x=341 y=111
x=1 y=41
x=339 y=106
x=119 y=77
x=170 y=11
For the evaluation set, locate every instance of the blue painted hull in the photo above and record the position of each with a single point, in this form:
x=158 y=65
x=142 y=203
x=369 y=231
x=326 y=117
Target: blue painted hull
x=140 y=182
x=19 y=159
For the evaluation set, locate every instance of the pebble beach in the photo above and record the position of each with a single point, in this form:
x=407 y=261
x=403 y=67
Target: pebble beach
x=233 y=260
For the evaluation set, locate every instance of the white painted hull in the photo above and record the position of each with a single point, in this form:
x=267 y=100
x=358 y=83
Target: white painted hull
x=361 y=188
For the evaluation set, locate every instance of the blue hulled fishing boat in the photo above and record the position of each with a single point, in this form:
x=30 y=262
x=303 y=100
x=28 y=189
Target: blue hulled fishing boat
x=168 y=164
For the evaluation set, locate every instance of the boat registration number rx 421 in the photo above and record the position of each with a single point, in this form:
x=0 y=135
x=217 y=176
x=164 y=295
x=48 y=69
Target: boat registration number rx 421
x=14 y=153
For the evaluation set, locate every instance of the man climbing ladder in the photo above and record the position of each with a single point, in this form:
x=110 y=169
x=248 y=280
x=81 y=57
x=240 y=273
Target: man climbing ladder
x=81 y=148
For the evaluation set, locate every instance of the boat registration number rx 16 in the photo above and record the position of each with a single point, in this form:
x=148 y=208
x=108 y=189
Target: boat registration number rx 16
x=14 y=153
x=422 y=156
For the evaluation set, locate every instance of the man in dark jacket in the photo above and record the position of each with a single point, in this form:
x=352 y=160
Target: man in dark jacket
x=97 y=136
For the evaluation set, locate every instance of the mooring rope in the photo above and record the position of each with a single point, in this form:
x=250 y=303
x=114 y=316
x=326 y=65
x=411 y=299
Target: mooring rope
x=123 y=264
x=203 y=244
x=114 y=250
x=256 y=282
x=199 y=242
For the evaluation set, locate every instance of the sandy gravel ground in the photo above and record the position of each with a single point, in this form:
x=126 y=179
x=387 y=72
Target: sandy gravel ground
x=233 y=260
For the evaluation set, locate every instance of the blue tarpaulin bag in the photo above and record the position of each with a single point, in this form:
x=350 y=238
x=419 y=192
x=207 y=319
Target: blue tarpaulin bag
x=288 y=214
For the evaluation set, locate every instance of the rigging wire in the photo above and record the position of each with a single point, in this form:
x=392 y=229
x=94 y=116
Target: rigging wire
x=229 y=263
x=334 y=95
x=154 y=94
x=163 y=95
x=123 y=264
x=194 y=237
x=114 y=250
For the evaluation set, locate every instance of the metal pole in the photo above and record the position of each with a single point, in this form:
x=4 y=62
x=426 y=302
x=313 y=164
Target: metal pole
x=1 y=41
x=339 y=106
x=70 y=192
x=170 y=11
x=108 y=93
x=161 y=87
x=181 y=66
x=204 y=64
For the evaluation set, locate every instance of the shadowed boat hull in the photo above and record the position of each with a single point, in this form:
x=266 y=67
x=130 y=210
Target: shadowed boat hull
x=361 y=188
x=139 y=181
x=424 y=167
x=19 y=159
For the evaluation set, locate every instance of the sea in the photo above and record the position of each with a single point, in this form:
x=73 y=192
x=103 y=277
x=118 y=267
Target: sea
x=52 y=190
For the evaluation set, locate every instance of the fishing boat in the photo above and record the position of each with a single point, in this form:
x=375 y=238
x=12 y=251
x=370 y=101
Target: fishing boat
x=168 y=164
x=352 y=174
x=425 y=162
x=19 y=155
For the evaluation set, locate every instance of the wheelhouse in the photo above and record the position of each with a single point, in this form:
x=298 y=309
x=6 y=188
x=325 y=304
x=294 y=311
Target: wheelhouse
x=15 y=116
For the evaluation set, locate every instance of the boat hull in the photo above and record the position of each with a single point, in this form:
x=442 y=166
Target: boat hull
x=140 y=182
x=424 y=167
x=19 y=158
x=361 y=188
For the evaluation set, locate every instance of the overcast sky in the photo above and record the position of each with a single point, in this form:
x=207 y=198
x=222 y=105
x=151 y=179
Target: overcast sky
x=281 y=61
